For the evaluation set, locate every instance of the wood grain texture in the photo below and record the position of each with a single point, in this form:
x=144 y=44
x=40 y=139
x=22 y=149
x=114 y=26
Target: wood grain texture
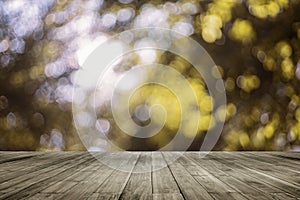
x=150 y=175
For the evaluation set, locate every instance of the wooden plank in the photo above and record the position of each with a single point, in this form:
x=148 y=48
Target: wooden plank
x=31 y=170
x=106 y=180
x=273 y=159
x=286 y=154
x=283 y=196
x=269 y=170
x=228 y=195
x=117 y=181
x=21 y=170
x=139 y=184
x=168 y=196
x=189 y=187
x=70 y=178
x=88 y=185
x=44 y=196
x=103 y=196
x=215 y=187
x=242 y=175
x=163 y=181
x=263 y=181
x=282 y=162
x=39 y=181
x=16 y=157
x=18 y=164
x=230 y=176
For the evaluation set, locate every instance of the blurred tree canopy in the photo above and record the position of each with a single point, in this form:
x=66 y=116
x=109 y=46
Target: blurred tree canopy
x=255 y=43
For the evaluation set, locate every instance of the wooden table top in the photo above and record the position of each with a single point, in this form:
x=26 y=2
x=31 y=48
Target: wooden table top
x=219 y=175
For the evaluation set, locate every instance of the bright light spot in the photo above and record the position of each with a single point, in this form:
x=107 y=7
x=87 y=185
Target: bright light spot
x=17 y=45
x=142 y=113
x=55 y=69
x=261 y=56
x=103 y=125
x=14 y=5
x=56 y=140
x=109 y=20
x=242 y=31
x=183 y=28
x=151 y=17
x=4 y=45
x=95 y=149
x=125 y=1
x=125 y=14
x=264 y=118
x=84 y=23
x=93 y=4
x=147 y=56
x=298 y=70
x=211 y=34
x=171 y=7
x=63 y=93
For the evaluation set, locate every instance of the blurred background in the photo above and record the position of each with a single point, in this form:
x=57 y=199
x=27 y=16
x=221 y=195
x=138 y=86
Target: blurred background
x=254 y=43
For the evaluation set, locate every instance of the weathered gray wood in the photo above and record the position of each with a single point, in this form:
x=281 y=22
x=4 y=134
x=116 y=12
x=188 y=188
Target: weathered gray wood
x=30 y=172
x=219 y=175
x=99 y=181
x=253 y=177
x=283 y=179
x=214 y=186
x=168 y=196
x=162 y=180
x=139 y=184
x=117 y=181
x=43 y=178
x=271 y=169
x=32 y=165
x=238 y=182
x=189 y=187
x=230 y=195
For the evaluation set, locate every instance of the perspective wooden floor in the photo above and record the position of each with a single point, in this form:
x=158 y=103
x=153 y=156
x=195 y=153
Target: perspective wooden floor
x=219 y=175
